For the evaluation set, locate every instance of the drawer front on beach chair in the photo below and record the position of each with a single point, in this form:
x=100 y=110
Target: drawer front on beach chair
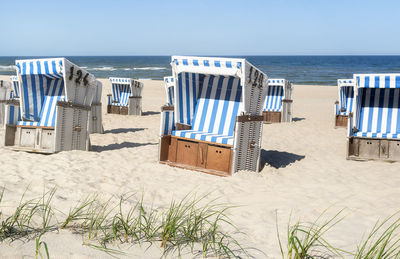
x=28 y=137
x=187 y=152
x=218 y=158
x=394 y=150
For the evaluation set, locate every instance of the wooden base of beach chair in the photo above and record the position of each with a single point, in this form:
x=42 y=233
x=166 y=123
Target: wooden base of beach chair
x=373 y=149
x=203 y=156
x=31 y=139
x=272 y=117
x=341 y=120
x=134 y=107
x=70 y=132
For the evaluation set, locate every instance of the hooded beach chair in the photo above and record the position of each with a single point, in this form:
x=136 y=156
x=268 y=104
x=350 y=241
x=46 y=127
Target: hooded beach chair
x=344 y=106
x=126 y=97
x=5 y=93
x=216 y=123
x=15 y=88
x=95 y=120
x=53 y=111
x=374 y=126
x=169 y=89
x=278 y=102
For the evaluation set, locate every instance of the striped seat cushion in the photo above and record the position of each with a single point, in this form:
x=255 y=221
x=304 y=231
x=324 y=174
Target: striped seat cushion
x=55 y=92
x=121 y=93
x=346 y=100
x=199 y=135
x=379 y=113
x=273 y=100
x=217 y=106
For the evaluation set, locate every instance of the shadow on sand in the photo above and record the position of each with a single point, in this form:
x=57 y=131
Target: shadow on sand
x=150 y=113
x=278 y=159
x=298 y=119
x=123 y=130
x=116 y=146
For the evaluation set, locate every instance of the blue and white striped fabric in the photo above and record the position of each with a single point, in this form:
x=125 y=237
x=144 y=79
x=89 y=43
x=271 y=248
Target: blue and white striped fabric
x=346 y=96
x=121 y=90
x=15 y=86
x=42 y=85
x=378 y=106
x=167 y=122
x=201 y=62
x=275 y=93
x=54 y=93
x=13 y=115
x=215 y=108
x=169 y=89
x=346 y=100
x=187 y=88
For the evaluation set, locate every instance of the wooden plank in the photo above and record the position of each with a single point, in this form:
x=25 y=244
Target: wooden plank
x=172 y=149
x=218 y=158
x=187 y=152
x=341 y=121
x=272 y=117
x=164 y=147
x=202 y=155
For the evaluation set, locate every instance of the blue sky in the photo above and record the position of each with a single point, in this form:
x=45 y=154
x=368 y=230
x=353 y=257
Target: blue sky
x=203 y=27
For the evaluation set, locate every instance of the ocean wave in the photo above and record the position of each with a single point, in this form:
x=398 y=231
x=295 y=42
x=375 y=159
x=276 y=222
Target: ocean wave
x=149 y=68
x=102 y=69
x=7 y=68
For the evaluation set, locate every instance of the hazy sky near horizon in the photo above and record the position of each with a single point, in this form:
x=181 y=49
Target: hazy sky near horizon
x=203 y=27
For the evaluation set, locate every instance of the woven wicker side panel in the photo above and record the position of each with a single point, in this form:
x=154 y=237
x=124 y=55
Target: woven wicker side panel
x=247 y=155
x=71 y=129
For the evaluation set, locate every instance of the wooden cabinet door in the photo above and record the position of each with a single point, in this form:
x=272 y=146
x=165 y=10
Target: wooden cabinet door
x=218 y=158
x=187 y=153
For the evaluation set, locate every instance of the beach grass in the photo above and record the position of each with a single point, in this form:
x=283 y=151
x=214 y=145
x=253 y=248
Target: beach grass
x=383 y=241
x=190 y=225
x=306 y=240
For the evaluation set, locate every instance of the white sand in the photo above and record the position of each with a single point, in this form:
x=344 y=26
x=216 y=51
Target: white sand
x=305 y=173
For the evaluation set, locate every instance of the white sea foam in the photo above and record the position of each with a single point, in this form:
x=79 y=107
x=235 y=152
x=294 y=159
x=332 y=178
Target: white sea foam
x=7 y=68
x=149 y=68
x=102 y=69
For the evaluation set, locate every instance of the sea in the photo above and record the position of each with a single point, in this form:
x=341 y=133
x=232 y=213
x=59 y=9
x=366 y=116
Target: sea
x=310 y=70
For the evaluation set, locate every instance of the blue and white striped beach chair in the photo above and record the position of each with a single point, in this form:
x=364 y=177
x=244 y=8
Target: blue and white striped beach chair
x=5 y=93
x=278 y=102
x=344 y=106
x=53 y=110
x=374 y=127
x=126 y=97
x=169 y=89
x=216 y=123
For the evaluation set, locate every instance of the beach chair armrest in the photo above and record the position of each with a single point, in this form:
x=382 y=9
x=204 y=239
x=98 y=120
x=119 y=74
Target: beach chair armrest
x=167 y=124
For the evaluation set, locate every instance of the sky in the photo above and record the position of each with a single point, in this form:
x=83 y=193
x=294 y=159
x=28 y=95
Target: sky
x=202 y=27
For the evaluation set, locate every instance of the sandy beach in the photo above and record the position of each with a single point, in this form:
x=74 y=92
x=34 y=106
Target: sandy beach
x=304 y=172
